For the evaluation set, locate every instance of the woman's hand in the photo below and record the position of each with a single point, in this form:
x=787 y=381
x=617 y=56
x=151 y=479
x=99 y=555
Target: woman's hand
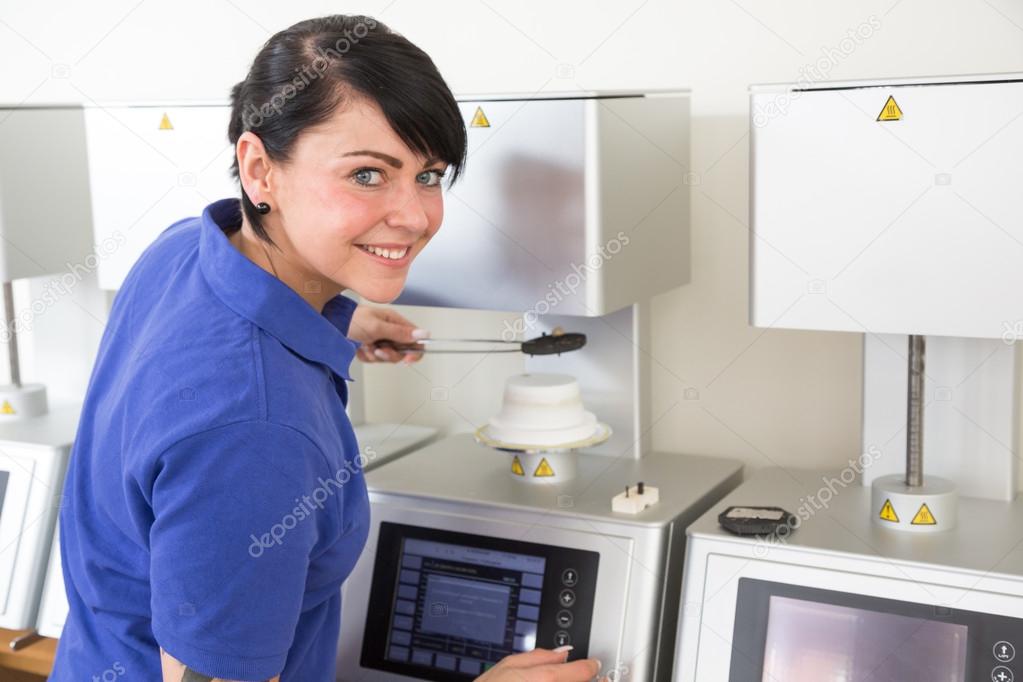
x=371 y=324
x=541 y=665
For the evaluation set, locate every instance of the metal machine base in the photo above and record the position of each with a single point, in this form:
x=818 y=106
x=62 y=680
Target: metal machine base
x=456 y=485
x=22 y=402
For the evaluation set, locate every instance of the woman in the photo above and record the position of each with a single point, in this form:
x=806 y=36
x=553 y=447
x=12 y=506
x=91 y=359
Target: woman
x=216 y=406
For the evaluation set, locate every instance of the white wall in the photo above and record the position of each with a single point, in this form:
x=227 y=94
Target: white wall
x=765 y=396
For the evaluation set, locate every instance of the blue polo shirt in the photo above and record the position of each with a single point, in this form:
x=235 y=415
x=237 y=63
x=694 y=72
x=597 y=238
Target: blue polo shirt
x=214 y=501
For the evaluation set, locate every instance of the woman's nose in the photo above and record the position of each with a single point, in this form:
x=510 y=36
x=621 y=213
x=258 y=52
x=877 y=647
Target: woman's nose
x=409 y=213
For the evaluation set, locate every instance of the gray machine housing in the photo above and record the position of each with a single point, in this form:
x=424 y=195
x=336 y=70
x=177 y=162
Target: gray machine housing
x=574 y=205
x=573 y=210
x=459 y=484
x=837 y=546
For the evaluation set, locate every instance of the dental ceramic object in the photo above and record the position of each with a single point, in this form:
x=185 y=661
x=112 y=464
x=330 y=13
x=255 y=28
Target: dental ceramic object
x=542 y=410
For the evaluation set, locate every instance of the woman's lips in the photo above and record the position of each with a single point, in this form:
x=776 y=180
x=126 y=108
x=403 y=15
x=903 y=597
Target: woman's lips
x=383 y=253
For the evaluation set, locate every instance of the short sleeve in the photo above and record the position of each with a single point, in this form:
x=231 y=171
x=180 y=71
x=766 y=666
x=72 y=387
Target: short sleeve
x=238 y=511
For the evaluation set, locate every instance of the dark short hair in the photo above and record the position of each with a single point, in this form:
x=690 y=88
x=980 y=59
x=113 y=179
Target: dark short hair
x=305 y=72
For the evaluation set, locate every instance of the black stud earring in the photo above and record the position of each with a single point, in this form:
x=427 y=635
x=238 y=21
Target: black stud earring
x=263 y=208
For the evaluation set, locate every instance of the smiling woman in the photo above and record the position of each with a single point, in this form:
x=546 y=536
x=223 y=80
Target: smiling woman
x=344 y=130
x=217 y=403
x=215 y=500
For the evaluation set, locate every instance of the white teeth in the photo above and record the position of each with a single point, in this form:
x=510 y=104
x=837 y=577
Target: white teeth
x=393 y=254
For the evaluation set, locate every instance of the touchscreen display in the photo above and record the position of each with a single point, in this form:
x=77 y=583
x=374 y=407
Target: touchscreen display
x=809 y=641
x=463 y=608
x=446 y=605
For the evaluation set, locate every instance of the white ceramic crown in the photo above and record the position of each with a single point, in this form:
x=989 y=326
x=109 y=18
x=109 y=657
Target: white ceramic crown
x=544 y=410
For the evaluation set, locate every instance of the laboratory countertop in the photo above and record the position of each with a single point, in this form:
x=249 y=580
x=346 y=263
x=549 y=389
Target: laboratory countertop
x=458 y=468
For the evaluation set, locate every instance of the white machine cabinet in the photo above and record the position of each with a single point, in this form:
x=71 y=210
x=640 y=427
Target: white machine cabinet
x=840 y=598
x=885 y=207
x=465 y=565
x=151 y=166
x=53 y=607
x=543 y=222
x=33 y=458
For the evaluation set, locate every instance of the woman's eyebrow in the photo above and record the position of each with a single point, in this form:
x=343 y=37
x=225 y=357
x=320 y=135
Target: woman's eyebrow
x=387 y=158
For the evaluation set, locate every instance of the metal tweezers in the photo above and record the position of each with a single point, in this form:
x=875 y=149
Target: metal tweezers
x=547 y=344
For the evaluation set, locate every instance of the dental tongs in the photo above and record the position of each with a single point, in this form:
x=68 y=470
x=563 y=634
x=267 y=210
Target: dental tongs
x=555 y=343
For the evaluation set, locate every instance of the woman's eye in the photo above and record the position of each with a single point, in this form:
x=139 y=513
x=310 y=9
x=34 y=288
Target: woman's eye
x=369 y=177
x=430 y=178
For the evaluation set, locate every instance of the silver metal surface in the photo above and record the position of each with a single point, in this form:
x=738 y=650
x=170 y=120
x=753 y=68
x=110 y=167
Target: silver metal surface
x=14 y=366
x=988 y=538
x=380 y=442
x=915 y=412
x=457 y=469
x=45 y=198
x=459 y=485
x=424 y=346
x=573 y=205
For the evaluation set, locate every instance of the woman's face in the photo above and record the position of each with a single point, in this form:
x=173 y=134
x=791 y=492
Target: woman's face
x=354 y=206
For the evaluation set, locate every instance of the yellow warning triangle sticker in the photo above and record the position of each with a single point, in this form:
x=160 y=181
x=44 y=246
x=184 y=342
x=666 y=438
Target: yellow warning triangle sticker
x=924 y=517
x=888 y=512
x=6 y=408
x=543 y=469
x=891 y=111
x=479 y=119
x=517 y=467
x=165 y=123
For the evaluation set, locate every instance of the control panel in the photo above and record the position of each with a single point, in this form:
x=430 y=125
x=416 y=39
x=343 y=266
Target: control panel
x=448 y=606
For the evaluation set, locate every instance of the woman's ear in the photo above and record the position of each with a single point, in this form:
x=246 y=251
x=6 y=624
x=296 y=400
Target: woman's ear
x=253 y=167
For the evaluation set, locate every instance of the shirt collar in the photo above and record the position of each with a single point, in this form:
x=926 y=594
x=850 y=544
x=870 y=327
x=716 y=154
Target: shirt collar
x=269 y=303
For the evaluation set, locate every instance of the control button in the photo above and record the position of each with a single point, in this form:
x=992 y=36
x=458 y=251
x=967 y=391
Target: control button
x=561 y=638
x=566 y=598
x=1004 y=651
x=564 y=619
x=999 y=674
x=569 y=577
